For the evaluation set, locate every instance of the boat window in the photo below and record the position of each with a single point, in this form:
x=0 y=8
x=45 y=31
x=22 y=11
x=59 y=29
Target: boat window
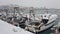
x=45 y=16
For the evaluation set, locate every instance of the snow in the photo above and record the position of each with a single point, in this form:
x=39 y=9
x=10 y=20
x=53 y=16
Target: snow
x=6 y=28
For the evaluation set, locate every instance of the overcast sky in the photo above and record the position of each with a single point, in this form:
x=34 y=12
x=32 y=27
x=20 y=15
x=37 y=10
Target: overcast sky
x=34 y=3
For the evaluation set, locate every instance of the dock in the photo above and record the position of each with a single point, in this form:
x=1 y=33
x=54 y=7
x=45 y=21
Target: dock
x=6 y=28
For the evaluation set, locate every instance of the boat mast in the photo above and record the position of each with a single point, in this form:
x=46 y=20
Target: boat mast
x=6 y=10
x=32 y=13
x=14 y=11
x=18 y=11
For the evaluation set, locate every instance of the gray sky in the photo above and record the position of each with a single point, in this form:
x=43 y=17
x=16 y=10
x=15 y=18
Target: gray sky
x=34 y=3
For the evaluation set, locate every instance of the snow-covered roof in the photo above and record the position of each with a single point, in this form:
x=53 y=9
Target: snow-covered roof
x=6 y=28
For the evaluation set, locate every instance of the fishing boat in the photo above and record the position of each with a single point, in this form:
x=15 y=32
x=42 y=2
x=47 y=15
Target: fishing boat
x=35 y=25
